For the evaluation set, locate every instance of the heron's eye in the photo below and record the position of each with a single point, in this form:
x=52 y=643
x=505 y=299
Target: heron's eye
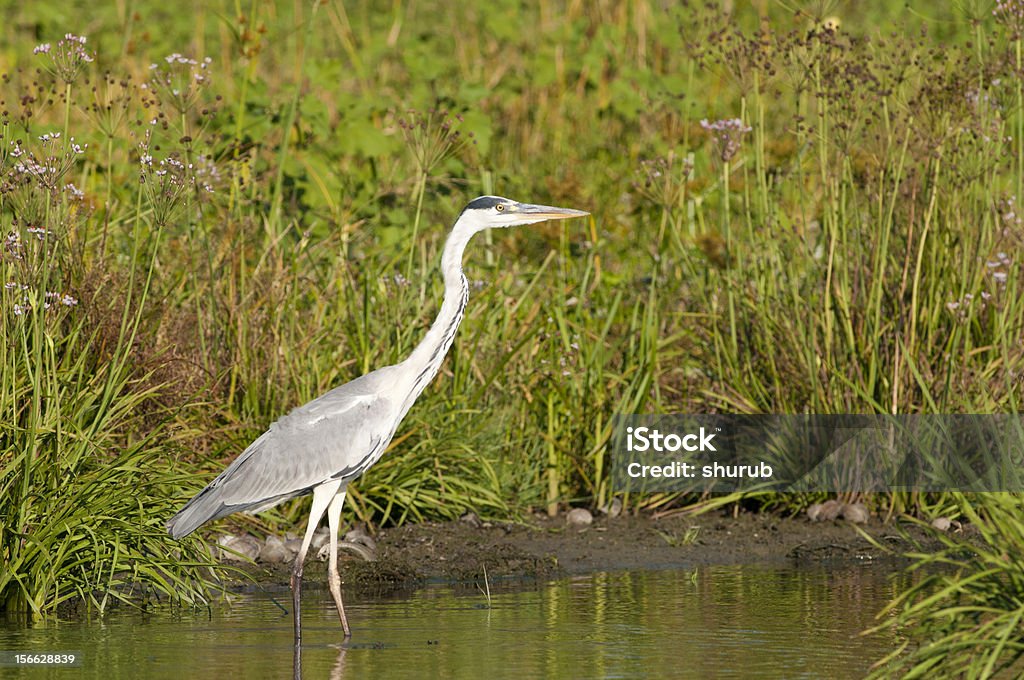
x=499 y=208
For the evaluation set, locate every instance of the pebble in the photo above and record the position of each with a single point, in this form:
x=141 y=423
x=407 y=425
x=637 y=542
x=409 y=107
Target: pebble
x=824 y=512
x=321 y=537
x=945 y=524
x=246 y=547
x=855 y=512
x=274 y=551
x=579 y=517
x=471 y=519
x=359 y=535
x=613 y=509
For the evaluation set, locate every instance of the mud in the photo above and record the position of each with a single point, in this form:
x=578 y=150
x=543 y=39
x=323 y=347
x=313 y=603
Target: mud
x=467 y=551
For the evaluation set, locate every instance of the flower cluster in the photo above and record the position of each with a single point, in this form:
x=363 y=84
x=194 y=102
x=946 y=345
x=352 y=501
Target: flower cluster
x=52 y=300
x=663 y=180
x=47 y=171
x=728 y=135
x=555 y=360
x=74 y=192
x=998 y=268
x=1010 y=13
x=112 y=99
x=1008 y=216
x=961 y=308
x=179 y=80
x=33 y=177
x=392 y=282
x=13 y=247
x=433 y=136
x=68 y=57
x=167 y=181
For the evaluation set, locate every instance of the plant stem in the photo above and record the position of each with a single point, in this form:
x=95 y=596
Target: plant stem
x=67 y=112
x=1020 y=122
x=552 y=471
x=421 y=189
x=729 y=257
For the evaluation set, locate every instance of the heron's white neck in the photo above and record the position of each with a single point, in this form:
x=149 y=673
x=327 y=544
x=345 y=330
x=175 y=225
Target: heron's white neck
x=426 y=359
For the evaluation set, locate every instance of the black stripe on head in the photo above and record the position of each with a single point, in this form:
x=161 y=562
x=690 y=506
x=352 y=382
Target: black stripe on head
x=485 y=202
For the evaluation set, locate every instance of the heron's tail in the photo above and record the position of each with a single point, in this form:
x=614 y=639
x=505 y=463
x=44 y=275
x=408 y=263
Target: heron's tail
x=205 y=506
x=231 y=491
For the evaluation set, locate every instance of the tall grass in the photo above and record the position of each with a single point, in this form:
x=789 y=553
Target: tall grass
x=963 y=618
x=83 y=476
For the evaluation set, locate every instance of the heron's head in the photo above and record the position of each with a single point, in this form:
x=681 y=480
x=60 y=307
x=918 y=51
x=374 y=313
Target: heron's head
x=487 y=212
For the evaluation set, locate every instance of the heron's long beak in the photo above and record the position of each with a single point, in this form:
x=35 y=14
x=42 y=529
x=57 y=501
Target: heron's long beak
x=547 y=212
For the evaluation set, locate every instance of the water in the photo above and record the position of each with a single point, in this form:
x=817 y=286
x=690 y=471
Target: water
x=719 y=622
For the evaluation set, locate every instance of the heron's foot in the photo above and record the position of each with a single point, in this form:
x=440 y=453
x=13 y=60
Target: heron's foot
x=368 y=553
x=334 y=584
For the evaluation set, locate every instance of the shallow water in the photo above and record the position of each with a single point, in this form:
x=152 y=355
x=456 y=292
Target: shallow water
x=717 y=622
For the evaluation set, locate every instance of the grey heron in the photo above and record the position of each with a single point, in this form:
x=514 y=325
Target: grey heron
x=321 y=446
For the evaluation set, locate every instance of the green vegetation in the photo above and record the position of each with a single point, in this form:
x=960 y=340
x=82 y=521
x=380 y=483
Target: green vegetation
x=258 y=217
x=963 y=618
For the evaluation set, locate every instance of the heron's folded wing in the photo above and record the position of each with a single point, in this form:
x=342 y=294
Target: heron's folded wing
x=312 y=444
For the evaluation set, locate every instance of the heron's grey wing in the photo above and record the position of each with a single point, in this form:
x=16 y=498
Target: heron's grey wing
x=334 y=436
x=298 y=453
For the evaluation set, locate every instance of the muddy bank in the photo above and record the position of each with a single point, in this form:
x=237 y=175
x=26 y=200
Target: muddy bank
x=545 y=548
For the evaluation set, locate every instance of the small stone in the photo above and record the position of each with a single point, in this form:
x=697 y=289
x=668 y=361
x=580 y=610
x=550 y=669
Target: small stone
x=320 y=537
x=471 y=519
x=579 y=517
x=243 y=548
x=274 y=551
x=942 y=523
x=613 y=509
x=824 y=512
x=855 y=512
x=830 y=510
x=359 y=535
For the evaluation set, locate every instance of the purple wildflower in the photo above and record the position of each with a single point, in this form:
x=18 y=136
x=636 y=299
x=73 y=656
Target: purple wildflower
x=68 y=57
x=728 y=134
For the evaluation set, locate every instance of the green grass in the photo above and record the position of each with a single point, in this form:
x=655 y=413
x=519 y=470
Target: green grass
x=857 y=250
x=962 y=619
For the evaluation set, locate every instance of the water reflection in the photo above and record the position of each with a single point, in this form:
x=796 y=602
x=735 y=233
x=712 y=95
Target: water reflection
x=337 y=672
x=727 y=622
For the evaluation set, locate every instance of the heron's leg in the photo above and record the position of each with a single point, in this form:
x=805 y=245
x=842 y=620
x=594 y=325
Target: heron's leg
x=333 y=578
x=322 y=496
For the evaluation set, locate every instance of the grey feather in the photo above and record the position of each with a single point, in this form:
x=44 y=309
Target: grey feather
x=337 y=435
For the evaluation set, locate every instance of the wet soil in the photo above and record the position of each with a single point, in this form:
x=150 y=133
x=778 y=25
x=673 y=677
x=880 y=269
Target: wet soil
x=466 y=550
